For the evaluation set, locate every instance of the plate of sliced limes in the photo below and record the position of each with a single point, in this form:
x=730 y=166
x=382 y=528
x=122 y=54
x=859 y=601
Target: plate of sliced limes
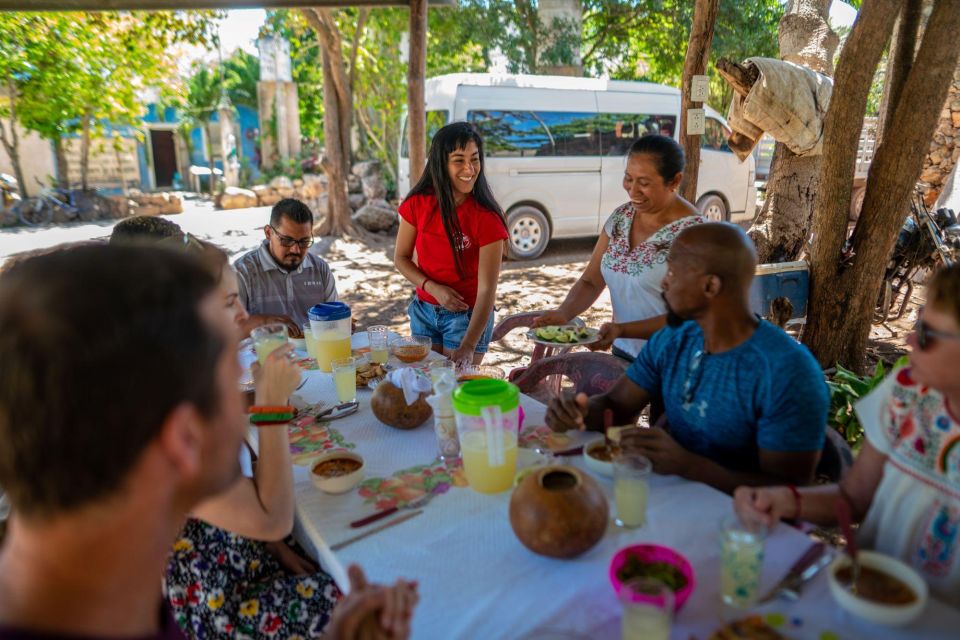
x=568 y=335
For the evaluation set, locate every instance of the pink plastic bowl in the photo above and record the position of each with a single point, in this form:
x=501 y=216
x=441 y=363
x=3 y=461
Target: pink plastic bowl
x=654 y=553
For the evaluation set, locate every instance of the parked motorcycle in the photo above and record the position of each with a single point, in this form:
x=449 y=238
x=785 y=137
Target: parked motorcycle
x=70 y=203
x=927 y=240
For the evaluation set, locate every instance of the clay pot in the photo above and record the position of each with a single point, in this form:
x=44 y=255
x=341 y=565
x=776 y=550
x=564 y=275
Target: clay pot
x=559 y=512
x=390 y=407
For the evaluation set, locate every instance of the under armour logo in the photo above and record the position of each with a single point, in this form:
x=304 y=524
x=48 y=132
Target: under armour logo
x=701 y=407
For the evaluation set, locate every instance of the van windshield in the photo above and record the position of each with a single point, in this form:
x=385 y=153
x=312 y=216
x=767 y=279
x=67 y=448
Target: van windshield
x=435 y=120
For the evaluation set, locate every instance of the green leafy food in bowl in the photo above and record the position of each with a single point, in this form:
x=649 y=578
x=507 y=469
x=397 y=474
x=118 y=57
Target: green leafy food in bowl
x=665 y=572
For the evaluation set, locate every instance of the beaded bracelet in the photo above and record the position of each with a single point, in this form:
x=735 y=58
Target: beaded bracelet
x=267 y=415
x=271 y=409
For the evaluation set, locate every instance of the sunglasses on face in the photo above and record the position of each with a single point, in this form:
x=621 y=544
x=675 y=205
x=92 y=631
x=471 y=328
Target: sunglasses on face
x=927 y=337
x=287 y=241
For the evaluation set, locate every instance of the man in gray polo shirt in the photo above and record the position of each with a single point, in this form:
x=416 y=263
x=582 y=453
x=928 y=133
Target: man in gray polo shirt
x=280 y=280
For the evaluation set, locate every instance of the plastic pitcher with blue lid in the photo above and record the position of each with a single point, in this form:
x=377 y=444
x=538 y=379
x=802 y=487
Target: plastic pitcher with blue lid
x=330 y=329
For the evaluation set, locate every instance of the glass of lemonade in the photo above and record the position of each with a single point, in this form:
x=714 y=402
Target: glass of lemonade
x=647 y=610
x=741 y=559
x=439 y=367
x=345 y=378
x=377 y=337
x=310 y=341
x=631 y=473
x=268 y=338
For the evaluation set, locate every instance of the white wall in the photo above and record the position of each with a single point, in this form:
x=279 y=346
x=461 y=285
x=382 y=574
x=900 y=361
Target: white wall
x=36 y=159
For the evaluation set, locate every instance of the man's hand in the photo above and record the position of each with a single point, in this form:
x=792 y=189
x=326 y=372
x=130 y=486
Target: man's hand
x=565 y=413
x=658 y=446
x=448 y=297
x=609 y=331
x=373 y=611
x=550 y=318
x=291 y=561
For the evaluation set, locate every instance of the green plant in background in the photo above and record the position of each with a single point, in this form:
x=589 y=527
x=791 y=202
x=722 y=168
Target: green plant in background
x=846 y=388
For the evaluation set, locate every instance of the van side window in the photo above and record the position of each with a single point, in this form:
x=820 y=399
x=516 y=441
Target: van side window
x=619 y=130
x=715 y=136
x=435 y=120
x=525 y=134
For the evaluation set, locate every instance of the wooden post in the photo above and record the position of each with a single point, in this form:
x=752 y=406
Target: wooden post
x=416 y=76
x=695 y=64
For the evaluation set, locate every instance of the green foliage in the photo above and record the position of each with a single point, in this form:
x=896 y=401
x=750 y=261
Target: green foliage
x=75 y=68
x=846 y=388
x=241 y=74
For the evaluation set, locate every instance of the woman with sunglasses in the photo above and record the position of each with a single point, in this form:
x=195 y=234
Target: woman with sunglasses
x=904 y=487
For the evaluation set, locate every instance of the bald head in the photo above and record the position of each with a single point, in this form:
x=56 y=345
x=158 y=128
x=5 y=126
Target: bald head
x=718 y=248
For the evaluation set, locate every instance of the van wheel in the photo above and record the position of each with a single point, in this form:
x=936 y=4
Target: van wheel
x=713 y=208
x=528 y=231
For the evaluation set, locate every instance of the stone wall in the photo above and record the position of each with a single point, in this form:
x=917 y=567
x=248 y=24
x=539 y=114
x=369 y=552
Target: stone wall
x=945 y=148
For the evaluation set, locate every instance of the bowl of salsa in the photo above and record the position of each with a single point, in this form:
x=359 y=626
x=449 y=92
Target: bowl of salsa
x=889 y=592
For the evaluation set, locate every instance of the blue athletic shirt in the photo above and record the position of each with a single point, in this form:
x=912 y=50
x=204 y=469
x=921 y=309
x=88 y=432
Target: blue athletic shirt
x=766 y=393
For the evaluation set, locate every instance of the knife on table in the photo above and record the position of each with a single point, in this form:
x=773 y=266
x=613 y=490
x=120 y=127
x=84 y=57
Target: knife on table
x=413 y=504
x=385 y=525
x=809 y=564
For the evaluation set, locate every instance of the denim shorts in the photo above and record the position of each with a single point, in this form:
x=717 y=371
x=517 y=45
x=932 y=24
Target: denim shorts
x=444 y=327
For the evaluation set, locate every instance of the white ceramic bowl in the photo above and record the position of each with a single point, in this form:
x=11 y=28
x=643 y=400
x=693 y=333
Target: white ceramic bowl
x=885 y=614
x=337 y=484
x=597 y=466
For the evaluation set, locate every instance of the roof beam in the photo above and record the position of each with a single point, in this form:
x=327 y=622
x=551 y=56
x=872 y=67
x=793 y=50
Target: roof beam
x=156 y=5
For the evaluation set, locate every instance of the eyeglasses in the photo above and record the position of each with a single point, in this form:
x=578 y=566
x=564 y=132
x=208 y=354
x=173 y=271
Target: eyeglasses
x=287 y=241
x=926 y=337
x=694 y=373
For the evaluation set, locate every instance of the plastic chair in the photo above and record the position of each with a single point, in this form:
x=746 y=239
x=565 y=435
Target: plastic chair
x=836 y=459
x=591 y=373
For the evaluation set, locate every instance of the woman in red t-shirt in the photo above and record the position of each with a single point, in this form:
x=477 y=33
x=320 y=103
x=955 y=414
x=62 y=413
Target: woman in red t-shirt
x=452 y=221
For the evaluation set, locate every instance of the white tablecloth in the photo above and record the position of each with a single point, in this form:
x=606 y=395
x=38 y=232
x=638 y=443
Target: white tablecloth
x=478 y=581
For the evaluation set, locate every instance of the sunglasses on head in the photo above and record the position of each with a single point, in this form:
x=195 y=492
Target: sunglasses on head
x=926 y=336
x=287 y=241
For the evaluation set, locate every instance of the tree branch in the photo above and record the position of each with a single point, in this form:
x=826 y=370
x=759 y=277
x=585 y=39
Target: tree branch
x=741 y=77
x=355 y=48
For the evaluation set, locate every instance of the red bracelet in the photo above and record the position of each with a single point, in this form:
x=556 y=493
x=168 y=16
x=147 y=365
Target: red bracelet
x=798 y=499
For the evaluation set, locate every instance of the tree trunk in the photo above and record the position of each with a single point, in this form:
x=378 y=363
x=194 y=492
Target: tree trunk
x=850 y=280
x=903 y=47
x=416 y=100
x=783 y=225
x=11 y=142
x=695 y=64
x=337 y=118
x=63 y=167
x=85 y=150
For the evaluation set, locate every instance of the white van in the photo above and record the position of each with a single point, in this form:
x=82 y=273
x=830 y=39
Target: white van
x=555 y=149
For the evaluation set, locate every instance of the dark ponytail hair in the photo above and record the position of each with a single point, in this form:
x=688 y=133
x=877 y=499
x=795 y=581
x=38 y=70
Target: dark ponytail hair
x=667 y=154
x=436 y=181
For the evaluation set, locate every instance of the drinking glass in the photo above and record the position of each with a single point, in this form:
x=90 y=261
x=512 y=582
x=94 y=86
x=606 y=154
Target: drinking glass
x=439 y=367
x=647 y=609
x=630 y=475
x=741 y=558
x=268 y=338
x=345 y=378
x=310 y=340
x=377 y=336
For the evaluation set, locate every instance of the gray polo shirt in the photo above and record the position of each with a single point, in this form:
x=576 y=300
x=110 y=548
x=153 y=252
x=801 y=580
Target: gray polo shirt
x=266 y=288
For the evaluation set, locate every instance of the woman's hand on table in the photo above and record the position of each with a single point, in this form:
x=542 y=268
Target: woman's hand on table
x=463 y=355
x=566 y=413
x=764 y=505
x=609 y=331
x=551 y=318
x=448 y=297
x=373 y=611
x=277 y=378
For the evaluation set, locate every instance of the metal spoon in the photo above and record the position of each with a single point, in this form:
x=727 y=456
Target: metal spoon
x=845 y=518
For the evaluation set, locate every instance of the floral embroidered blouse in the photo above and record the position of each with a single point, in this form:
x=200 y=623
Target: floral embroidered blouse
x=915 y=513
x=634 y=275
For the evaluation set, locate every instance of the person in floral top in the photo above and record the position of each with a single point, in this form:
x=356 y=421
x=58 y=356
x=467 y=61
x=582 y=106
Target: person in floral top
x=630 y=255
x=905 y=484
